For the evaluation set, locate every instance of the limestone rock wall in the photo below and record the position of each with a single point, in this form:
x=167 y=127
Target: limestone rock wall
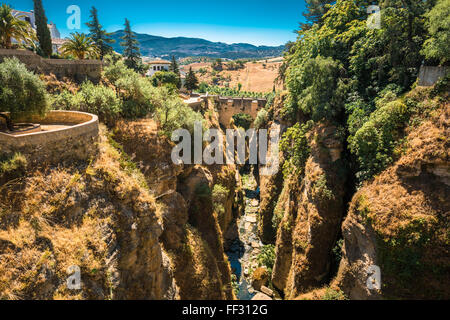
x=310 y=207
x=192 y=234
x=399 y=222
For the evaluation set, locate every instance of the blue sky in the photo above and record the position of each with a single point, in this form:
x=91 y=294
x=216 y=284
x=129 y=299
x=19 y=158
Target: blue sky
x=259 y=22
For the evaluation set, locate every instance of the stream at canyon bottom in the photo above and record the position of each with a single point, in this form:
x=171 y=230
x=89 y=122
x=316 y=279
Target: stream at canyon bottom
x=244 y=250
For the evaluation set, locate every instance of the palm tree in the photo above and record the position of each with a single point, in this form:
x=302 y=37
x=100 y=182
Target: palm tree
x=80 y=46
x=11 y=26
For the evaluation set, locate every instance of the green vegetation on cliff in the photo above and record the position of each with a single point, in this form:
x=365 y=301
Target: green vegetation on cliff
x=351 y=106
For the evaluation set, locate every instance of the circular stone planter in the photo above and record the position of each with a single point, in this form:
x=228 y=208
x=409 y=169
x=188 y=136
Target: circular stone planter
x=74 y=138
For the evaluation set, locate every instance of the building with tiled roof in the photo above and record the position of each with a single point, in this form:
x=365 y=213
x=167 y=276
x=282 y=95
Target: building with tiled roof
x=54 y=32
x=156 y=66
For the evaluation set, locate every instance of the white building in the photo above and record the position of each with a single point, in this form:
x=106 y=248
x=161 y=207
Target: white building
x=156 y=66
x=57 y=42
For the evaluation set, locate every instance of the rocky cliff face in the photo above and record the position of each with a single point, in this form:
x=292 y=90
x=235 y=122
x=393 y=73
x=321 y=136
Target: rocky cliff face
x=311 y=208
x=399 y=221
x=97 y=217
x=137 y=226
x=193 y=230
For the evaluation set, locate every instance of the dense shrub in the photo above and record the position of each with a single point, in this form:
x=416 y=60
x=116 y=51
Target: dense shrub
x=91 y=98
x=136 y=92
x=243 y=120
x=21 y=91
x=331 y=294
x=261 y=119
x=358 y=113
x=203 y=87
x=295 y=147
x=172 y=113
x=115 y=69
x=267 y=257
x=437 y=46
x=235 y=65
x=99 y=100
x=316 y=89
x=219 y=197
x=217 y=65
x=166 y=78
x=137 y=95
x=375 y=141
x=12 y=166
x=320 y=190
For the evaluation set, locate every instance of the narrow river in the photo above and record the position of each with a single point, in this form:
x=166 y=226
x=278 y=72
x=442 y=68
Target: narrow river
x=244 y=250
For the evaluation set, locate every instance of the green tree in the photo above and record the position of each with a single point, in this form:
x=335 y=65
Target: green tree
x=80 y=46
x=261 y=119
x=96 y=99
x=131 y=50
x=22 y=93
x=243 y=120
x=316 y=9
x=437 y=47
x=174 y=66
x=191 y=80
x=172 y=113
x=43 y=33
x=11 y=26
x=101 y=38
x=163 y=78
x=217 y=65
x=295 y=147
x=176 y=70
x=316 y=88
x=267 y=257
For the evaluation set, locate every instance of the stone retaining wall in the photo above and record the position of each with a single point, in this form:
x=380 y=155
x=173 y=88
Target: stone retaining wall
x=78 y=70
x=77 y=142
x=428 y=76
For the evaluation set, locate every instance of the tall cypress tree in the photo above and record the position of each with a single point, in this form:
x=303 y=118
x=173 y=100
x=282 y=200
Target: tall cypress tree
x=175 y=69
x=191 y=80
x=101 y=38
x=174 y=66
x=42 y=31
x=130 y=47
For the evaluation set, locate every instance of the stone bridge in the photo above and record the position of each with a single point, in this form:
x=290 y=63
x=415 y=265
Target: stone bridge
x=227 y=107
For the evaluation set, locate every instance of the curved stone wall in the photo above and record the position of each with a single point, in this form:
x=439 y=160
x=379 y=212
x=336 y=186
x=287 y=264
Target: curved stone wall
x=76 y=142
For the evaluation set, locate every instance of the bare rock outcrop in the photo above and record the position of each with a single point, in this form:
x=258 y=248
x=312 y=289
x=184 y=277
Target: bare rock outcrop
x=399 y=222
x=310 y=208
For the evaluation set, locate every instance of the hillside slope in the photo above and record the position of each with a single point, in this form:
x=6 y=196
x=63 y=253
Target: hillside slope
x=155 y=46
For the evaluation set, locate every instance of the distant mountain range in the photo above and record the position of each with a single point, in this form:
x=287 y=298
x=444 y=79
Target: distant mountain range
x=181 y=47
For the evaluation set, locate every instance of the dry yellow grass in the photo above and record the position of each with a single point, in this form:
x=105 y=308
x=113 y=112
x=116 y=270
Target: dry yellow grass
x=255 y=77
x=407 y=207
x=54 y=218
